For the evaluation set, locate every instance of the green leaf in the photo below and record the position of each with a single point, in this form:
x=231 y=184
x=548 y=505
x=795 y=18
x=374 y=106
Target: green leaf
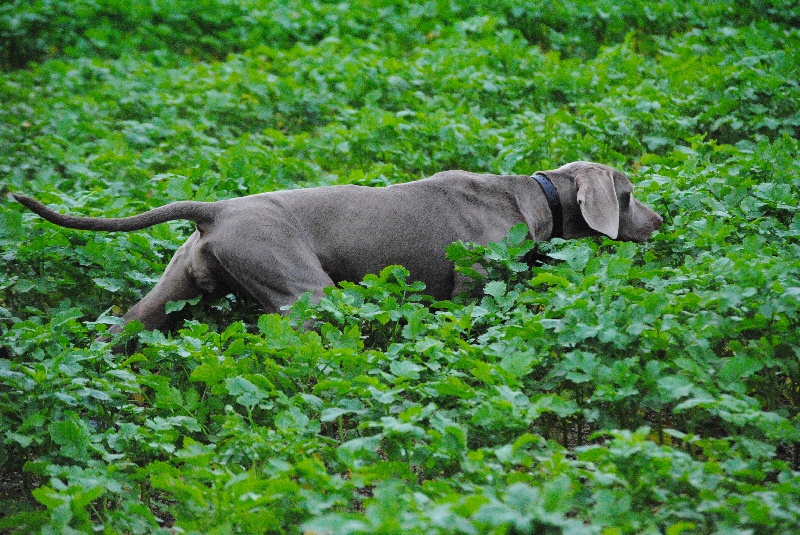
x=48 y=497
x=739 y=368
x=176 y=306
x=73 y=437
x=112 y=285
x=246 y=392
x=332 y=413
x=496 y=289
x=405 y=369
x=518 y=233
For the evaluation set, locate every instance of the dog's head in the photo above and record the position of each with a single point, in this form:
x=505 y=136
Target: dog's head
x=605 y=200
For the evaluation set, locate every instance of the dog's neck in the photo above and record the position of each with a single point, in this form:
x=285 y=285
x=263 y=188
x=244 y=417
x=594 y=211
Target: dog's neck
x=553 y=201
x=573 y=226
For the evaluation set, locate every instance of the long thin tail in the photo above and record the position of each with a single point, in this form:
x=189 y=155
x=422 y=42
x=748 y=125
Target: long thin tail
x=199 y=212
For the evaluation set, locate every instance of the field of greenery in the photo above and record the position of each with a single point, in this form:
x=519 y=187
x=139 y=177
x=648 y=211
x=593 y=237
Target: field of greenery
x=610 y=388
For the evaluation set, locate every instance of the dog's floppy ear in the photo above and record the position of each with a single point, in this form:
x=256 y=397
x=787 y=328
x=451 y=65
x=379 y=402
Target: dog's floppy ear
x=597 y=199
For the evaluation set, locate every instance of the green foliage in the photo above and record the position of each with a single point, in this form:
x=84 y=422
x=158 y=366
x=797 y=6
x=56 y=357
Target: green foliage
x=587 y=386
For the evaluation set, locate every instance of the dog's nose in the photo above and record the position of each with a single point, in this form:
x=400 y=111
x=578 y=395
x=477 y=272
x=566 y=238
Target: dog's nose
x=658 y=220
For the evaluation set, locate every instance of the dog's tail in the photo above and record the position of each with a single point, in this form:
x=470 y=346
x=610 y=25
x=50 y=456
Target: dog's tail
x=199 y=212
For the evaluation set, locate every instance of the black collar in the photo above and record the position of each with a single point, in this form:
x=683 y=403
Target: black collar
x=553 y=202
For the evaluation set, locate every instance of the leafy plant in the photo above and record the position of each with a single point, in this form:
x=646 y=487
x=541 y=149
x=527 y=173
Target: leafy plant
x=586 y=386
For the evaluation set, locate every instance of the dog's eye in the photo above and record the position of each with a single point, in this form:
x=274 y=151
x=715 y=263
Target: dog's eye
x=625 y=199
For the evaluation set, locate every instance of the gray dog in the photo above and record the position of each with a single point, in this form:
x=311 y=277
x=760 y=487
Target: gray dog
x=277 y=246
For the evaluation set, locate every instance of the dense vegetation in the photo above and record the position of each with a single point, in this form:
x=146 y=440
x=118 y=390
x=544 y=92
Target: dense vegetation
x=614 y=388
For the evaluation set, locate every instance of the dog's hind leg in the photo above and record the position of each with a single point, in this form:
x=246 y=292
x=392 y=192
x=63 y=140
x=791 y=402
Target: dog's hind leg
x=179 y=282
x=275 y=265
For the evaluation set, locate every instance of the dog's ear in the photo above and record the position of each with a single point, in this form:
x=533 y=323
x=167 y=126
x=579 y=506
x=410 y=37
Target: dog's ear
x=597 y=199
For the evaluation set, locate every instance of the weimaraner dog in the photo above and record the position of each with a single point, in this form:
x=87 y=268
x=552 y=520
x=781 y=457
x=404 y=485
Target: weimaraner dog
x=277 y=246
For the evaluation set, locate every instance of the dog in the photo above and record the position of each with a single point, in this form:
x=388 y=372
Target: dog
x=277 y=246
